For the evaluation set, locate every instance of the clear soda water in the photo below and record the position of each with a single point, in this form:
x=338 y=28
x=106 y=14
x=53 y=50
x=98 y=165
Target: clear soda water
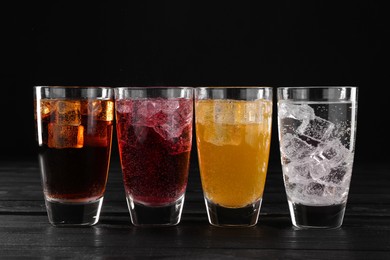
x=317 y=151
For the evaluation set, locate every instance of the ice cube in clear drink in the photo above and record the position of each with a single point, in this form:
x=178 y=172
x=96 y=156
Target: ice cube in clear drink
x=315 y=189
x=339 y=175
x=319 y=170
x=317 y=129
x=294 y=148
x=303 y=113
x=332 y=153
x=297 y=172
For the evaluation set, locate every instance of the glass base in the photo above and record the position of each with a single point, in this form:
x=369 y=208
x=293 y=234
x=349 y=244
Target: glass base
x=233 y=217
x=321 y=217
x=74 y=214
x=167 y=215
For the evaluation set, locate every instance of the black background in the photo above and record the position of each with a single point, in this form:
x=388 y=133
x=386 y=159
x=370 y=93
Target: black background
x=273 y=43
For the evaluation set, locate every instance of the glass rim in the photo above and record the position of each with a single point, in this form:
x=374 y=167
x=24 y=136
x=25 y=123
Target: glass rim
x=318 y=87
x=74 y=87
x=153 y=87
x=234 y=87
x=73 y=92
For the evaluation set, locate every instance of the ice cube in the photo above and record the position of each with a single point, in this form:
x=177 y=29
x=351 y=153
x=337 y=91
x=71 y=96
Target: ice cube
x=319 y=170
x=172 y=117
x=339 y=175
x=301 y=112
x=257 y=111
x=297 y=173
x=148 y=112
x=228 y=112
x=106 y=109
x=47 y=107
x=332 y=153
x=68 y=112
x=124 y=106
x=315 y=189
x=317 y=129
x=294 y=148
x=335 y=194
x=294 y=117
x=65 y=136
x=175 y=116
x=170 y=105
x=186 y=112
x=224 y=111
x=223 y=134
x=204 y=111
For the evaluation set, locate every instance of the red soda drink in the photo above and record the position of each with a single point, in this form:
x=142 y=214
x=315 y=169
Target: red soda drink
x=154 y=138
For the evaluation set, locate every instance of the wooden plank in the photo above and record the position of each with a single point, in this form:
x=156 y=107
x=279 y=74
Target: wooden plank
x=184 y=253
x=271 y=233
x=102 y=252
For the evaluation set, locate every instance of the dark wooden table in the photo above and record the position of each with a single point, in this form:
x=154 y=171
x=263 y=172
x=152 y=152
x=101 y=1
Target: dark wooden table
x=26 y=232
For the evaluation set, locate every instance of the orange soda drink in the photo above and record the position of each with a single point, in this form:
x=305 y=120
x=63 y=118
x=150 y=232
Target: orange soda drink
x=233 y=142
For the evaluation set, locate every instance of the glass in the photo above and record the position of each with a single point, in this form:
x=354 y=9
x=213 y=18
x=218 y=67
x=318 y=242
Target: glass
x=154 y=130
x=74 y=132
x=317 y=132
x=233 y=134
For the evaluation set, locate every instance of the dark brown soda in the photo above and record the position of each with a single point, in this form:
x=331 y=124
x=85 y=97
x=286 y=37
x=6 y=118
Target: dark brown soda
x=75 y=170
x=74 y=174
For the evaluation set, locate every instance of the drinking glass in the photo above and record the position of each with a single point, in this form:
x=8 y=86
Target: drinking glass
x=233 y=134
x=154 y=130
x=74 y=131
x=317 y=132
